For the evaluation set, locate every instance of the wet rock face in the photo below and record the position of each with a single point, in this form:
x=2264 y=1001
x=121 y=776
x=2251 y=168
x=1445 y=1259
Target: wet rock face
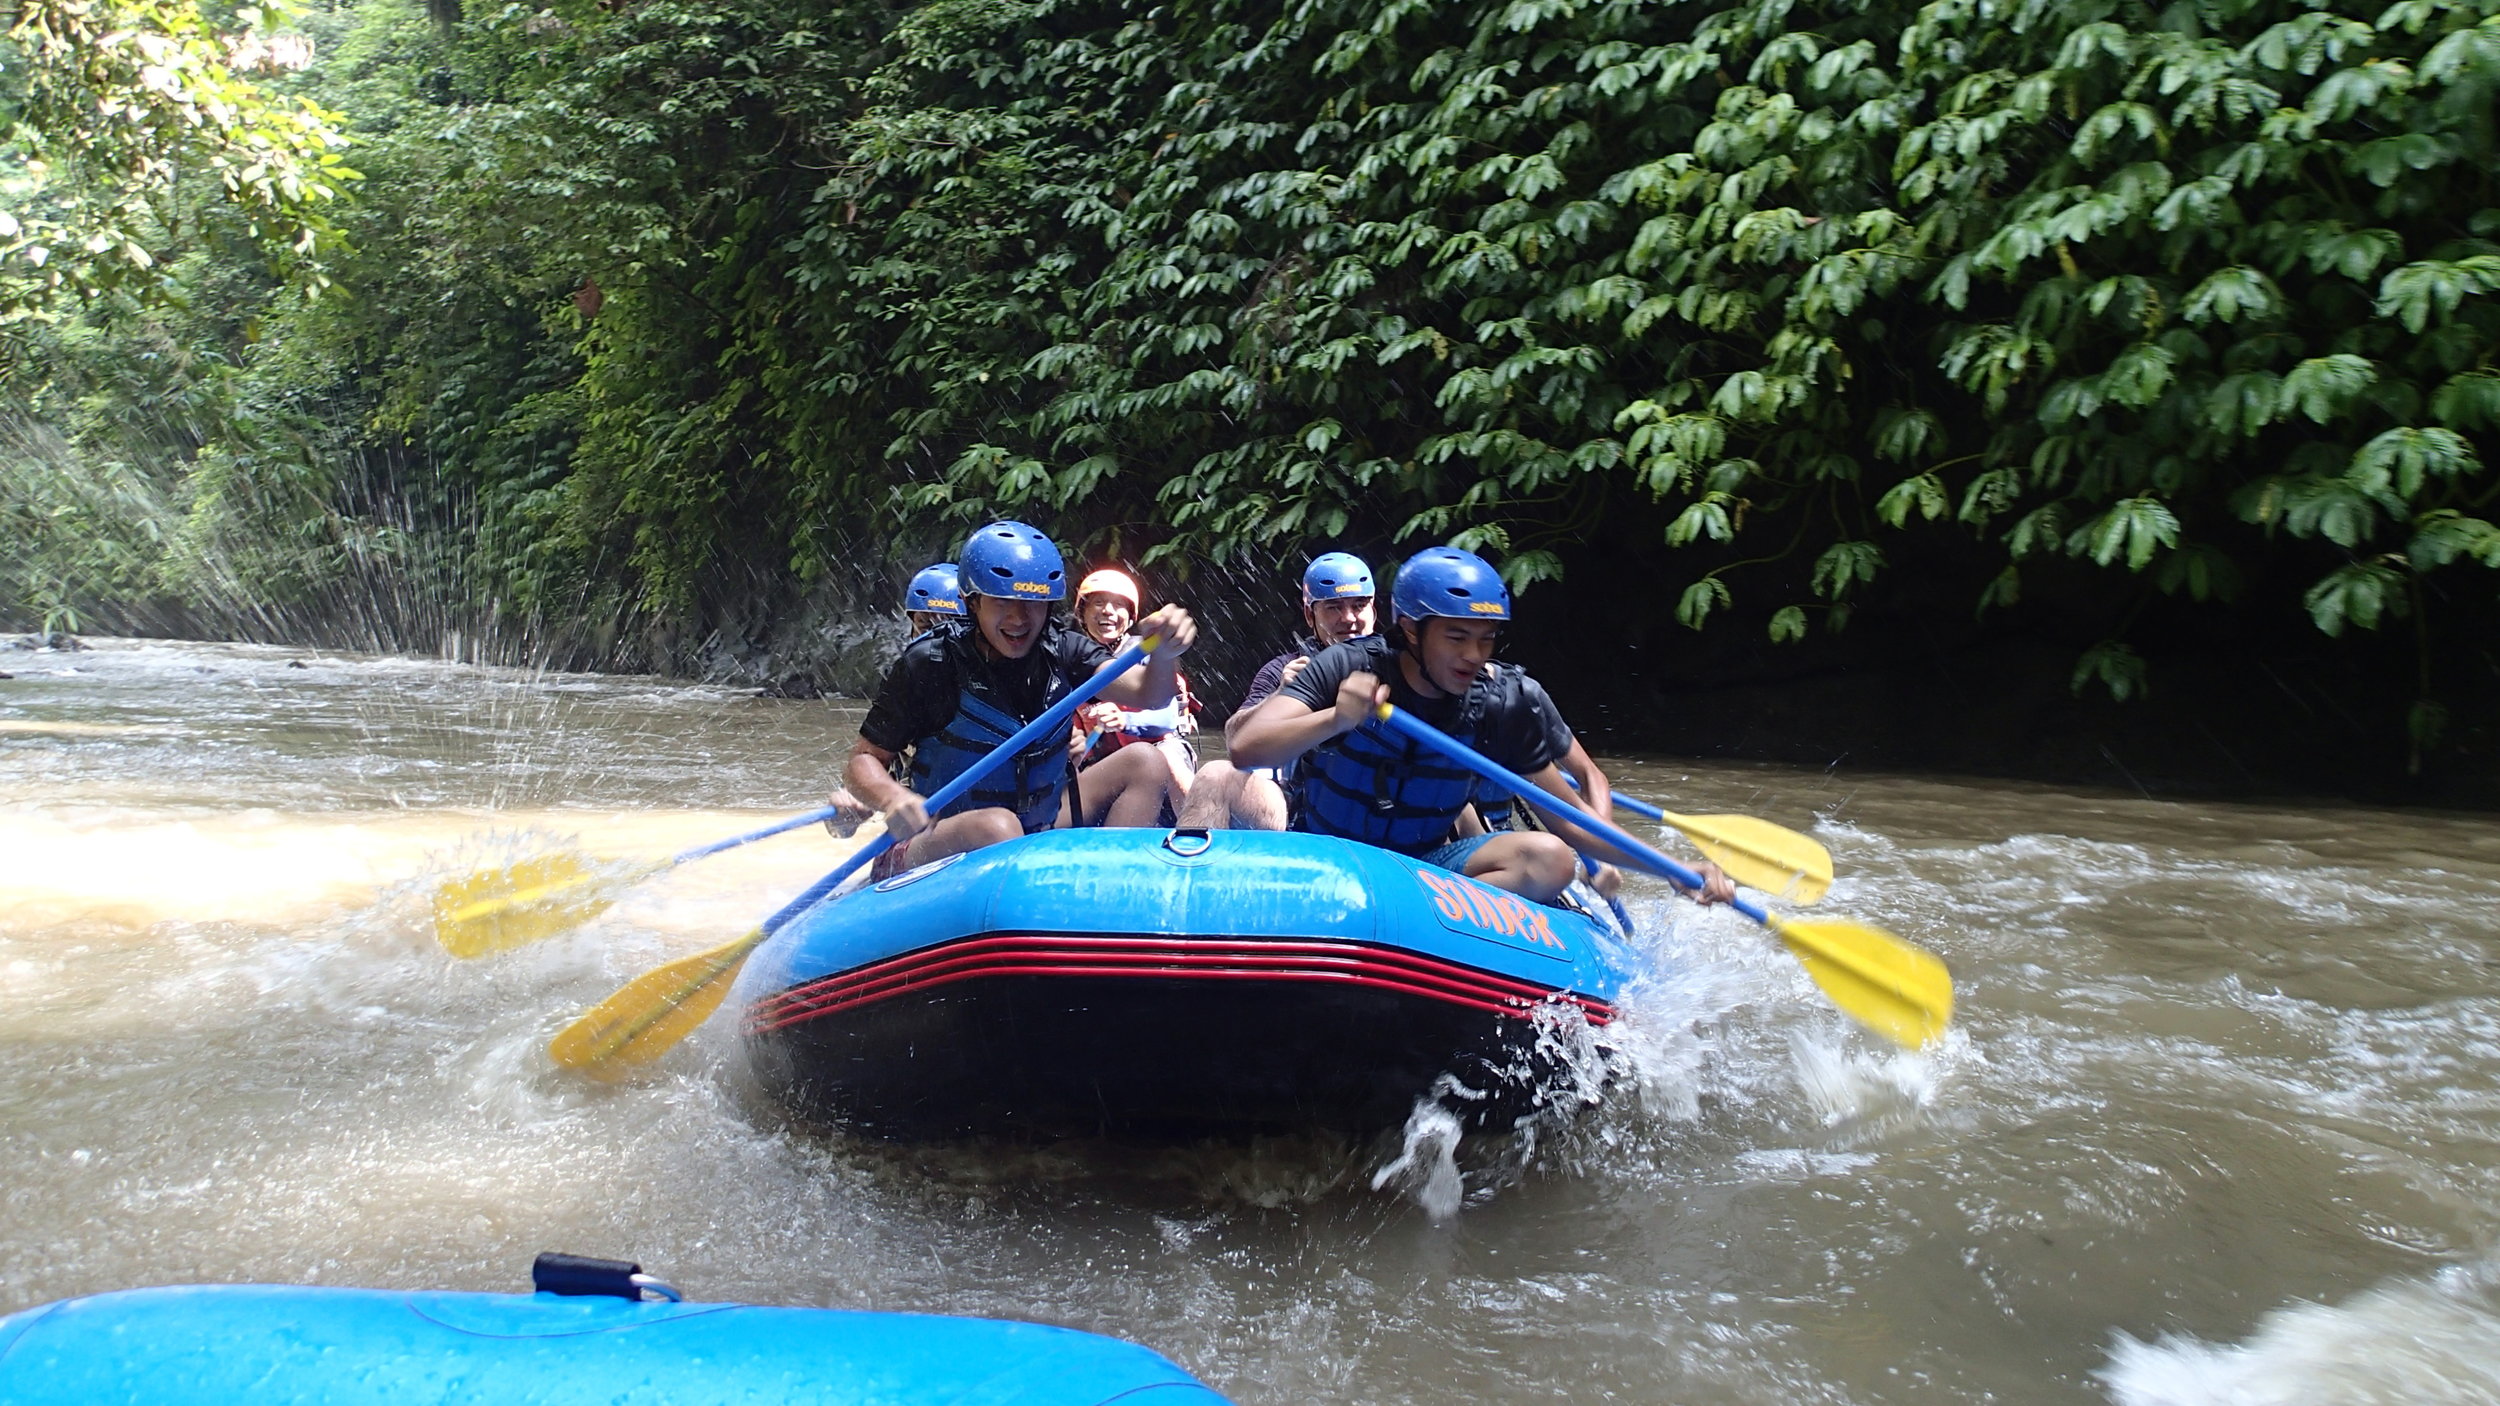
x=835 y=642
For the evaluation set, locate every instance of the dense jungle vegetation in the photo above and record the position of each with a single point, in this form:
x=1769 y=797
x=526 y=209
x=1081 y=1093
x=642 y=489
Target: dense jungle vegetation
x=610 y=325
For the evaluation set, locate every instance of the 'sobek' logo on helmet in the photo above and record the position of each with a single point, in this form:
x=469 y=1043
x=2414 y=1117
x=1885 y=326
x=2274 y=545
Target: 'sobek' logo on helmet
x=936 y=604
x=1350 y=588
x=1032 y=588
x=1485 y=607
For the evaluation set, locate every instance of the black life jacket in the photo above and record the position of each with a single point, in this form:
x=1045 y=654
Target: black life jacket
x=1028 y=783
x=1378 y=787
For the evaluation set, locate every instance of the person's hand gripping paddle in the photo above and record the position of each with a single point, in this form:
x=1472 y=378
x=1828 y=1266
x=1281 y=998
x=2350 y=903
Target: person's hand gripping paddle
x=651 y=1013
x=1899 y=991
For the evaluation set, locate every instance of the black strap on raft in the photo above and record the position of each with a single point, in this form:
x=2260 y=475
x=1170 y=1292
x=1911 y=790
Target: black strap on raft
x=581 y=1276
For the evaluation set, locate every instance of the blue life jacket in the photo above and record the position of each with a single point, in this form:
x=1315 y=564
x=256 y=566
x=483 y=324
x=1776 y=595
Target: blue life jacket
x=1384 y=790
x=1028 y=783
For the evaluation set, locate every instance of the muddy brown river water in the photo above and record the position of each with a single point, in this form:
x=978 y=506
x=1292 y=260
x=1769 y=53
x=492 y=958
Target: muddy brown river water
x=2219 y=1120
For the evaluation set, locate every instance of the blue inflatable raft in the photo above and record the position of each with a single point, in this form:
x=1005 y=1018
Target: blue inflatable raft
x=1140 y=983
x=268 y=1345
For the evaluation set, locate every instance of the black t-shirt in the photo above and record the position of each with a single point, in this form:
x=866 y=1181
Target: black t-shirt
x=1521 y=728
x=1271 y=675
x=926 y=685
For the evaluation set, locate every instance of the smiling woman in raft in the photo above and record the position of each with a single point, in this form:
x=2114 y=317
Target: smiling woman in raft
x=1107 y=603
x=967 y=685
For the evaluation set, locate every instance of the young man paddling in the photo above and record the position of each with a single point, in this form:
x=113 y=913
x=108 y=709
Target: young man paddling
x=1359 y=783
x=960 y=690
x=1337 y=605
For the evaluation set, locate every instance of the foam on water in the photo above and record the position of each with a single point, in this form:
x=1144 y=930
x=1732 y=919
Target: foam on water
x=2409 y=1342
x=1426 y=1166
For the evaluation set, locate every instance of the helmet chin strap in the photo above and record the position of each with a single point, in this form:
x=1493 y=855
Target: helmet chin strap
x=1419 y=674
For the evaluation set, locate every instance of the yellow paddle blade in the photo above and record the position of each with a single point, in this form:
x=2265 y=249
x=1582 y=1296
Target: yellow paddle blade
x=1900 y=992
x=650 y=1014
x=495 y=910
x=1759 y=854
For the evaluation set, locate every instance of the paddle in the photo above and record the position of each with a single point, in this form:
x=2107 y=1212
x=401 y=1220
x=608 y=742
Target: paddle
x=1755 y=853
x=651 y=1013
x=495 y=910
x=1897 y=990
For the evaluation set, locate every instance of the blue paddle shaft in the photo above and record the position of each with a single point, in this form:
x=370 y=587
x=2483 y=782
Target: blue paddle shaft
x=1420 y=731
x=1638 y=806
x=1631 y=803
x=1054 y=717
x=793 y=823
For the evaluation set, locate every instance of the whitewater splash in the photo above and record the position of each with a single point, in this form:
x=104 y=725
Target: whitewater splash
x=1571 y=1068
x=2411 y=1342
x=1426 y=1167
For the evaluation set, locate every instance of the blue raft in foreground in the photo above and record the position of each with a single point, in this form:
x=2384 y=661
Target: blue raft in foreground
x=1080 y=983
x=266 y=1345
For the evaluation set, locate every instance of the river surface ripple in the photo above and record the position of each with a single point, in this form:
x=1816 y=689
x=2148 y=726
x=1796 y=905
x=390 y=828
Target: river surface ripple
x=2216 y=1122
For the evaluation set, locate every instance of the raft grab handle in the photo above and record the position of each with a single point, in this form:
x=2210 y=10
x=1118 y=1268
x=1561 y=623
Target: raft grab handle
x=581 y=1276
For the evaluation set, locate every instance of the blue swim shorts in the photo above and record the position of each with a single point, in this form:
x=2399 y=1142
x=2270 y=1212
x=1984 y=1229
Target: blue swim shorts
x=1454 y=855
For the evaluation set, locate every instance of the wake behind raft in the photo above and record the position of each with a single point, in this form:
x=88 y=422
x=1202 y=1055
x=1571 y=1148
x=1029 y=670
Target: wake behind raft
x=1125 y=983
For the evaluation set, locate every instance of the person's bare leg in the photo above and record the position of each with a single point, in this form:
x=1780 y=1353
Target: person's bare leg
x=1125 y=790
x=1224 y=797
x=1209 y=803
x=960 y=834
x=1258 y=805
x=1534 y=866
x=1183 y=768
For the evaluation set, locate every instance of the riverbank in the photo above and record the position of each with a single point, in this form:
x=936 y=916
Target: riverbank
x=2227 y=718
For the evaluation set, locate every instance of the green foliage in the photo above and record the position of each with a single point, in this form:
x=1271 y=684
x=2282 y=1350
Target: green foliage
x=107 y=106
x=2166 y=300
x=2114 y=666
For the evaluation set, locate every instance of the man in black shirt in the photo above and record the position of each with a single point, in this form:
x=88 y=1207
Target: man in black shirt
x=1361 y=783
x=965 y=687
x=1337 y=605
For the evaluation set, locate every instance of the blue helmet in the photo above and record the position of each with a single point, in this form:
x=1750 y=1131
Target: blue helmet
x=1448 y=582
x=1013 y=561
x=934 y=591
x=1336 y=576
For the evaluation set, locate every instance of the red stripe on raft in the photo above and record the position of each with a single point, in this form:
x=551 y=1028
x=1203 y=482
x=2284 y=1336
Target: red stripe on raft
x=1158 y=955
x=1162 y=956
x=1176 y=948
x=1168 y=958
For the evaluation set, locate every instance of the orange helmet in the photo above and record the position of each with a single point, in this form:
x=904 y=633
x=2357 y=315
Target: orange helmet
x=1107 y=582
